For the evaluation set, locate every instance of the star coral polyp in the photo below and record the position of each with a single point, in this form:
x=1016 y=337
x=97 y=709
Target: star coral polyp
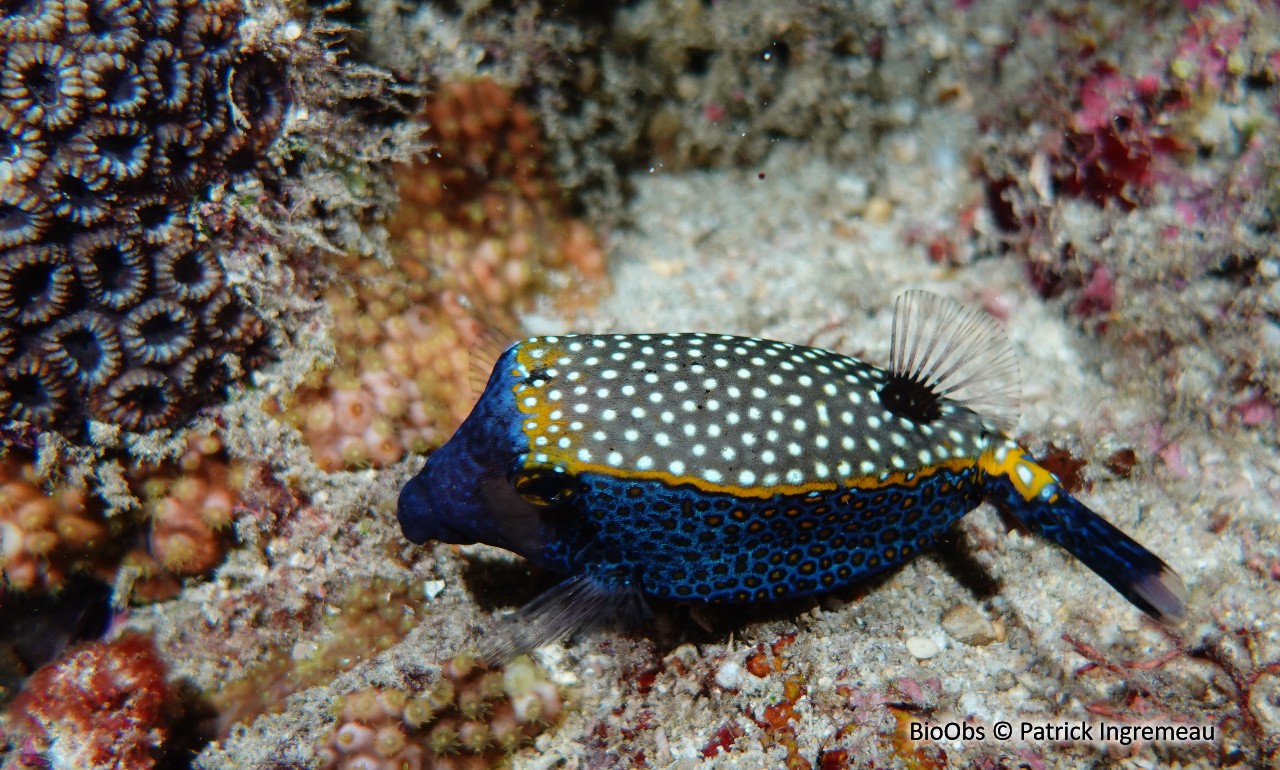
x=44 y=535
x=104 y=706
x=472 y=718
x=480 y=232
x=113 y=115
x=188 y=506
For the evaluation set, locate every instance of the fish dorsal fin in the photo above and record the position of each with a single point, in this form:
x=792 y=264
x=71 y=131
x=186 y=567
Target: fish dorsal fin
x=492 y=341
x=941 y=349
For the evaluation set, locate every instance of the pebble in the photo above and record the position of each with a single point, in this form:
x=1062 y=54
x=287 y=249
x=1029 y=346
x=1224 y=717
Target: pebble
x=921 y=647
x=968 y=625
x=878 y=211
x=729 y=675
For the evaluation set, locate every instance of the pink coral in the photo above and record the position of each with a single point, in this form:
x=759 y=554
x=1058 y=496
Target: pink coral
x=48 y=530
x=481 y=230
x=44 y=535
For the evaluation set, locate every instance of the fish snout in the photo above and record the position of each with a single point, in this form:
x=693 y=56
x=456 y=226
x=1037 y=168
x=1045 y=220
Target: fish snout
x=420 y=519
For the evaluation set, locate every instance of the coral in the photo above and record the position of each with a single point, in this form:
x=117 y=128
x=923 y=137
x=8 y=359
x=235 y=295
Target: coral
x=105 y=705
x=678 y=85
x=50 y=530
x=114 y=115
x=188 y=507
x=367 y=619
x=45 y=535
x=472 y=718
x=480 y=231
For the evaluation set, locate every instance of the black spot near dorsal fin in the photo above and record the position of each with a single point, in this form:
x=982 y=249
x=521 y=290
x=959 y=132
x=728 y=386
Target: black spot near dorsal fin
x=944 y=352
x=911 y=399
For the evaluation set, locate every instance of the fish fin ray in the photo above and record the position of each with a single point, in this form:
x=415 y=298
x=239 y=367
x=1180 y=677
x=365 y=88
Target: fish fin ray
x=491 y=342
x=576 y=606
x=957 y=353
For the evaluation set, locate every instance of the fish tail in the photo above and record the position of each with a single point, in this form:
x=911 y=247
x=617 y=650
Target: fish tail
x=1032 y=495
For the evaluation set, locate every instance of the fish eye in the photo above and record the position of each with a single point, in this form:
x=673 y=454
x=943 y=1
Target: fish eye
x=543 y=487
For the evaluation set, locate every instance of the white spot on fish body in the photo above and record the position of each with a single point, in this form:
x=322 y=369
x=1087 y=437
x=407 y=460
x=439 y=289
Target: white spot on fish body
x=1024 y=474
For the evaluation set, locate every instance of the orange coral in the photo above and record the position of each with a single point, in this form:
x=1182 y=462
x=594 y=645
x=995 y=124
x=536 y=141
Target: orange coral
x=48 y=530
x=46 y=535
x=189 y=506
x=480 y=231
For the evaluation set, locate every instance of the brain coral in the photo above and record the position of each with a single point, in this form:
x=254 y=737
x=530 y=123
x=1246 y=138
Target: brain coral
x=113 y=114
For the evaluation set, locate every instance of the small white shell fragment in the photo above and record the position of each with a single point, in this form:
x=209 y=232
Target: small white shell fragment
x=921 y=647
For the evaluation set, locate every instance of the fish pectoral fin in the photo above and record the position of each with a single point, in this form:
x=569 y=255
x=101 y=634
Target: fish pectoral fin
x=576 y=606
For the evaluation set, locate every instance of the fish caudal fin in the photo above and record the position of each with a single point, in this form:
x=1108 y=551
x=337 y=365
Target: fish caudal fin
x=1032 y=495
x=576 y=606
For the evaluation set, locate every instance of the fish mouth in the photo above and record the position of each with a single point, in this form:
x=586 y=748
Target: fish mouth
x=420 y=519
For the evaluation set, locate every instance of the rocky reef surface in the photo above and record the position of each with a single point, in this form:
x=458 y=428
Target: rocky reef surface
x=247 y=251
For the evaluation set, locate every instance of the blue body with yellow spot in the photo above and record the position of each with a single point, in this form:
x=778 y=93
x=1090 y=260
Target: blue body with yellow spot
x=728 y=469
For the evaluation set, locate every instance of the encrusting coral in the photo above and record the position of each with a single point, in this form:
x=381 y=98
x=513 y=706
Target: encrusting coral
x=49 y=530
x=471 y=719
x=114 y=114
x=480 y=230
x=106 y=705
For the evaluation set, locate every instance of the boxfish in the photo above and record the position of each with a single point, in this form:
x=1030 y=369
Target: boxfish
x=729 y=470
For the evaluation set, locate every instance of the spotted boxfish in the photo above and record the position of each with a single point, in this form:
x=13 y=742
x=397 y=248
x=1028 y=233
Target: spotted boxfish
x=724 y=469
